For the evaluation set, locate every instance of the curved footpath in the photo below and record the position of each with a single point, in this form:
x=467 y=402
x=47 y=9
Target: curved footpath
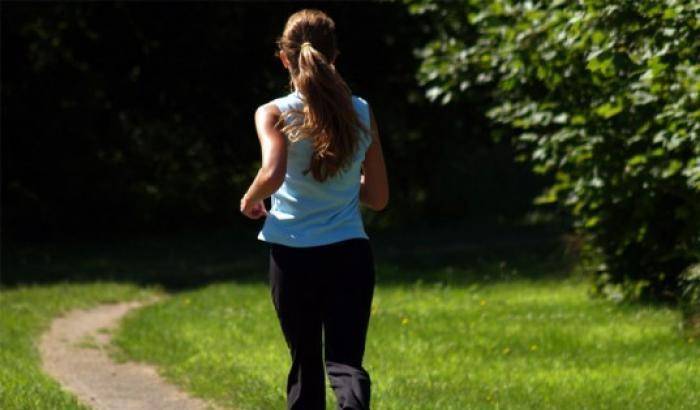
x=90 y=374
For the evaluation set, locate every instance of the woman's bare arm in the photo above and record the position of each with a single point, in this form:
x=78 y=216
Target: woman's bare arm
x=374 y=185
x=273 y=145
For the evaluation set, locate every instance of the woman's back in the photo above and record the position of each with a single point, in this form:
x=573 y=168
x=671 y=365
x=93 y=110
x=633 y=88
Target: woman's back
x=318 y=168
x=306 y=212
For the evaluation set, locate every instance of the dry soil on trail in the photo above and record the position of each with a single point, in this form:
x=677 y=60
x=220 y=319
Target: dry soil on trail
x=74 y=352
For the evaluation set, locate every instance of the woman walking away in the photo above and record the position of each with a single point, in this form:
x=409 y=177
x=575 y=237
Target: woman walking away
x=321 y=159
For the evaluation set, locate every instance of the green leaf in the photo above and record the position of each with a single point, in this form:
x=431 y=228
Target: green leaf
x=592 y=221
x=672 y=168
x=549 y=196
x=609 y=109
x=605 y=67
x=637 y=160
x=578 y=119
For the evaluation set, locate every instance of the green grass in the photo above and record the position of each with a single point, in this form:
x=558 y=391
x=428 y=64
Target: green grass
x=461 y=320
x=520 y=344
x=26 y=311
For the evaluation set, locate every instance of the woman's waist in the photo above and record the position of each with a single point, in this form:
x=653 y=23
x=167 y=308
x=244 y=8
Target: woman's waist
x=315 y=218
x=287 y=207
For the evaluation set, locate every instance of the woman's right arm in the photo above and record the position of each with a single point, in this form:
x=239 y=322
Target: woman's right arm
x=374 y=185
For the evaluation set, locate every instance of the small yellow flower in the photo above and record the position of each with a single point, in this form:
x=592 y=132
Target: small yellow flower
x=533 y=347
x=691 y=340
x=187 y=301
x=506 y=350
x=482 y=302
x=404 y=321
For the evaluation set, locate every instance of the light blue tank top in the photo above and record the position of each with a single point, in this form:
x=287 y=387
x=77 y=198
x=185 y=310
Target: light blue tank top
x=305 y=212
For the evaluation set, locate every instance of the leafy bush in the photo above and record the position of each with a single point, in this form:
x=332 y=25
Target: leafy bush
x=690 y=299
x=604 y=97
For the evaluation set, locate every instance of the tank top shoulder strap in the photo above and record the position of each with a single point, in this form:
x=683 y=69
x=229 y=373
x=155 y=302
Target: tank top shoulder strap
x=291 y=101
x=362 y=108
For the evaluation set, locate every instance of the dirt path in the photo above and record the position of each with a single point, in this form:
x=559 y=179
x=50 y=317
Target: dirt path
x=73 y=351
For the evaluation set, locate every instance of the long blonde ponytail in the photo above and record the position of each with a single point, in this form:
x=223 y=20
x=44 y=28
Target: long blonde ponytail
x=329 y=115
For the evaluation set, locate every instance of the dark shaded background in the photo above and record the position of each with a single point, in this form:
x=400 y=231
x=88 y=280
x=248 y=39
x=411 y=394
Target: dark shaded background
x=135 y=118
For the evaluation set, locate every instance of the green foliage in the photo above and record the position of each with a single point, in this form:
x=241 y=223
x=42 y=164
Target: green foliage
x=690 y=299
x=604 y=95
x=125 y=118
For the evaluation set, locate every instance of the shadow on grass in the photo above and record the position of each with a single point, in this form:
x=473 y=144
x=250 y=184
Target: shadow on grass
x=480 y=254
x=454 y=256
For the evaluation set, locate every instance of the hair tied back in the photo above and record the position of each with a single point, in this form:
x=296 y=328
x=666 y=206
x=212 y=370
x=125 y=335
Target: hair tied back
x=328 y=116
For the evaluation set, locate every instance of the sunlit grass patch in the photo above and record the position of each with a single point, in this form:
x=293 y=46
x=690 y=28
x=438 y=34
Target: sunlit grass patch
x=514 y=344
x=27 y=311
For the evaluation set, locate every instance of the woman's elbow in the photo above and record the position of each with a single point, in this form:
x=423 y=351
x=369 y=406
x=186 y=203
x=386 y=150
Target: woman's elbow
x=273 y=177
x=379 y=203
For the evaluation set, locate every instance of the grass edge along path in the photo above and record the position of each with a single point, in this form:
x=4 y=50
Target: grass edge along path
x=27 y=312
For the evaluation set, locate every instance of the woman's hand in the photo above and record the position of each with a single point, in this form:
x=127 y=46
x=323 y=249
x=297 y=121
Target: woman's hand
x=253 y=210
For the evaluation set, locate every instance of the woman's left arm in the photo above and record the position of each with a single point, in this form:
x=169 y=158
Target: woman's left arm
x=273 y=145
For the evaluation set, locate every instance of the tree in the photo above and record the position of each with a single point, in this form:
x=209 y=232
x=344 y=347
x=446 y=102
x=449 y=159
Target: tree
x=604 y=97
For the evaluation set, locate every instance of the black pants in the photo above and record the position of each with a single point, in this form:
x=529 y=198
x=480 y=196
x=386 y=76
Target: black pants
x=323 y=296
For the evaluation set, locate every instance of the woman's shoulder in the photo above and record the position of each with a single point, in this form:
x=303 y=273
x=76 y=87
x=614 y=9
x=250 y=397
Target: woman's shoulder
x=361 y=104
x=362 y=107
x=359 y=100
x=288 y=101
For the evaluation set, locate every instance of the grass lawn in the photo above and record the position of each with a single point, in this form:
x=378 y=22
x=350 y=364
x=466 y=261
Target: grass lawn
x=488 y=333
x=456 y=324
x=26 y=311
